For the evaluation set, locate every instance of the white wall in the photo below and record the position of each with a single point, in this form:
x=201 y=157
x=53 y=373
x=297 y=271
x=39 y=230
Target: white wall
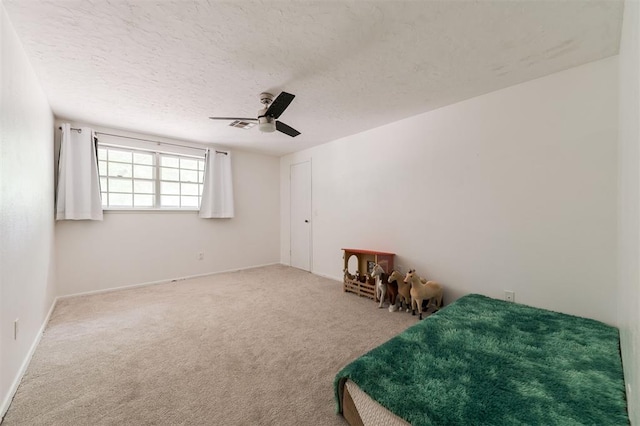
x=26 y=209
x=629 y=218
x=513 y=190
x=130 y=248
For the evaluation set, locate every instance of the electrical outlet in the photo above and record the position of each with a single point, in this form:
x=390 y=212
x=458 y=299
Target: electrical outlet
x=15 y=329
x=201 y=256
x=510 y=296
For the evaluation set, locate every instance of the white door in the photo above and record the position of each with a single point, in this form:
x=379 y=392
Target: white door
x=300 y=176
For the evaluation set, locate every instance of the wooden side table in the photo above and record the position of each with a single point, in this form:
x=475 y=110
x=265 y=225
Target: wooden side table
x=366 y=260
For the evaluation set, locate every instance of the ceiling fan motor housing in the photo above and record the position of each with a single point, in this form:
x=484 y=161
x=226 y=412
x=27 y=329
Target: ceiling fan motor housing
x=266 y=123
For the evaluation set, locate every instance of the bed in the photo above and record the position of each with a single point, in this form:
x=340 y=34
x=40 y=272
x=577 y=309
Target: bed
x=482 y=361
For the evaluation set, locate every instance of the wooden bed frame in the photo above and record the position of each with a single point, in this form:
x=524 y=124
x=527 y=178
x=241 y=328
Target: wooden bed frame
x=349 y=410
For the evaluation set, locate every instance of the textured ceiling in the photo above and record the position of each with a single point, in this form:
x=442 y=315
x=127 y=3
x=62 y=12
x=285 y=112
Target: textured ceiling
x=163 y=67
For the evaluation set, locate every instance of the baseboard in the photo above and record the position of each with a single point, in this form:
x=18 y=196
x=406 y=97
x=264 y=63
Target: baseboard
x=164 y=281
x=6 y=402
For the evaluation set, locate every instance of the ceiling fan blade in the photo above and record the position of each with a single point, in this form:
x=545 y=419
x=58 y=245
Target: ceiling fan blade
x=281 y=103
x=234 y=118
x=287 y=130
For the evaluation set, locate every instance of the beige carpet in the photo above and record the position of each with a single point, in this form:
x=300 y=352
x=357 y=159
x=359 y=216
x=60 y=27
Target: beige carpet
x=255 y=347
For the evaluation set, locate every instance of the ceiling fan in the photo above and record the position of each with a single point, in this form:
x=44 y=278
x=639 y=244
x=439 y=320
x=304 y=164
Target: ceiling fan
x=267 y=116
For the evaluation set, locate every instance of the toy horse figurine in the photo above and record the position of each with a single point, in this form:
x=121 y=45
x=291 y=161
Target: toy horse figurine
x=420 y=291
x=361 y=277
x=383 y=288
x=348 y=276
x=404 y=291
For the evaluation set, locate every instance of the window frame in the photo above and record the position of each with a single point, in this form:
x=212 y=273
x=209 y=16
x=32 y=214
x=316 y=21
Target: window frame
x=156 y=180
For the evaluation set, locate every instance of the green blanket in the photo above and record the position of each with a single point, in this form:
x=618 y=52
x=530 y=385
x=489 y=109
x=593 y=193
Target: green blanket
x=482 y=361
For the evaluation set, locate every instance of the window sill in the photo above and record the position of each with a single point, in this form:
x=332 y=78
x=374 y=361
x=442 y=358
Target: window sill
x=128 y=210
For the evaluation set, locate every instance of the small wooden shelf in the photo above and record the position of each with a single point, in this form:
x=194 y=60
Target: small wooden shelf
x=366 y=258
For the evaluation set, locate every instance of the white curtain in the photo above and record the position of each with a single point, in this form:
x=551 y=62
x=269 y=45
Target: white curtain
x=78 y=179
x=217 y=192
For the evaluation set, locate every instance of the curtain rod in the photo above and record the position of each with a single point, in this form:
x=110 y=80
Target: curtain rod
x=72 y=128
x=147 y=140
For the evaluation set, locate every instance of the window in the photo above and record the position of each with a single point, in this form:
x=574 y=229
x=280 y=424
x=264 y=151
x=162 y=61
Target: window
x=138 y=179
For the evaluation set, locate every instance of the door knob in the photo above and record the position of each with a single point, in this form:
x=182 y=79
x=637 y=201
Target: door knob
x=306 y=221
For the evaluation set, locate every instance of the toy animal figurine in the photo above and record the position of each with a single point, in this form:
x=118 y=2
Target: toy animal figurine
x=392 y=293
x=420 y=291
x=404 y=291
x=348 y=275
x=381 y=285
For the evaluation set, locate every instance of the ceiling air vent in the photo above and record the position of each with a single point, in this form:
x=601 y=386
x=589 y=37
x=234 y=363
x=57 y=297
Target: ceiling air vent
x=242 y=124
